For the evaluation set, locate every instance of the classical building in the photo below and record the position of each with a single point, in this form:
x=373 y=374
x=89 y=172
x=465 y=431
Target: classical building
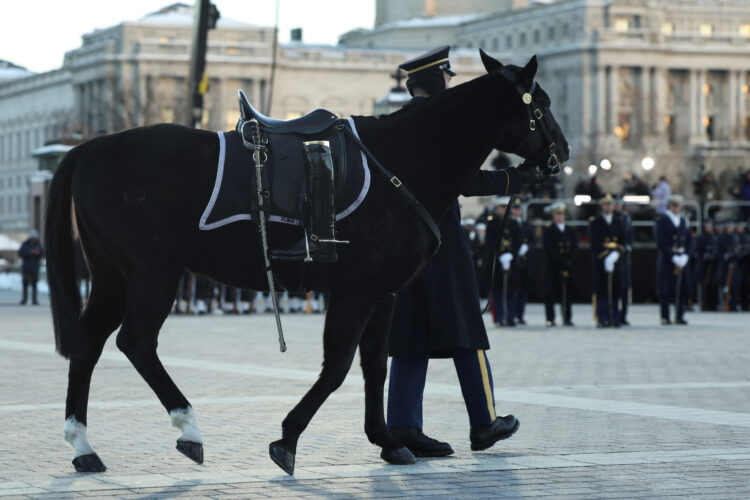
x=629 y=79
x=135 y=73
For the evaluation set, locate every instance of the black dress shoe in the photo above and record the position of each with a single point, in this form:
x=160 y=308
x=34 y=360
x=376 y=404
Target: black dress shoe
x=568 y=323
x=665 y=321
x=624 y=323
x=484 y=436
x=550 y=323
x=680 y=321
x=419 y=444
x=521 y=321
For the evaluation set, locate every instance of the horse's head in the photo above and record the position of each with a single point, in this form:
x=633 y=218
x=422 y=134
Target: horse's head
x=534 y=134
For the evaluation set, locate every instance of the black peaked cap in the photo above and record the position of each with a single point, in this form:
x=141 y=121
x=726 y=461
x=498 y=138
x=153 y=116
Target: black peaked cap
x=434 y=59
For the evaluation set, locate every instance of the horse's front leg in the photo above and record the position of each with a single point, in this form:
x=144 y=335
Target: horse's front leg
x=348 y=314
x=373 y=352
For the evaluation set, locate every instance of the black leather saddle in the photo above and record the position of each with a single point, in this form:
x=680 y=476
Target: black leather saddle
x=312 y=123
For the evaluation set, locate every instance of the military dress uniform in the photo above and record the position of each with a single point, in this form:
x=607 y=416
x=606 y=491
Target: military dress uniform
x=438 y=315
x=506 y=284
x=559 y=248
x=706 y=272
x=606 y=237
x=728 y=268
x=672 y=240
x=525 y=237
x=626 y=277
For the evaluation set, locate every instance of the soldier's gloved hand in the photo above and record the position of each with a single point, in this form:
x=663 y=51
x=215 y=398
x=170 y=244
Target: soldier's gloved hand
x=533 y=175
x=610 y=260
x=505 y=260
x=523 y=249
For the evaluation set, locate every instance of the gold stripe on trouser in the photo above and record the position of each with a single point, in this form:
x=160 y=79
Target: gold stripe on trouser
x=593 y=305
x=486 y=383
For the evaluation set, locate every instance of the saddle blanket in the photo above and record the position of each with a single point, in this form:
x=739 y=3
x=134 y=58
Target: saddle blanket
x=235 y=197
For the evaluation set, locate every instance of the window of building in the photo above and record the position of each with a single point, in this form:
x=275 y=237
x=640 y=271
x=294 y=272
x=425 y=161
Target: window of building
x=622 y=24
x=522 y=42
x=565 y=30
x=551 y=33
x=745 y=30
x=509 y=42
x=667 y=28
x=430 y=8
x=706 y=29
x=747 y=129
x=537 y=36
x=495 y=44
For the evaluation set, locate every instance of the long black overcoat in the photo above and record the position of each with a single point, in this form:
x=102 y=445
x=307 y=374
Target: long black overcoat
x=439 y=313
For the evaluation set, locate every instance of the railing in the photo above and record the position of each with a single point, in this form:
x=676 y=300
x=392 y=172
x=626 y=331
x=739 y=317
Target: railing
x=736 y=208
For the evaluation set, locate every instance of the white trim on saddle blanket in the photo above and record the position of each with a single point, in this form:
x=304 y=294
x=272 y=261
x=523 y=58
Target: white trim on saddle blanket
x=273 y=218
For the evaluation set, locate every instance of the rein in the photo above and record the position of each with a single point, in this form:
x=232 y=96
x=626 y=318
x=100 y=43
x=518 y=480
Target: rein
x=401 y=189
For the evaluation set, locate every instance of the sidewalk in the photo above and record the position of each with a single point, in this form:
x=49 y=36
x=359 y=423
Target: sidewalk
x=639 y=412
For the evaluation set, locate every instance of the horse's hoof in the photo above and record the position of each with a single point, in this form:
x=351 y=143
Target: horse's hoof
x=89 y=463
x=398 y=456
x=282 y=457
x=194 y=451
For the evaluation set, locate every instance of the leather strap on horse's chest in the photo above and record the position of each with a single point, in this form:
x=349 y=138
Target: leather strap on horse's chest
x=401 y=189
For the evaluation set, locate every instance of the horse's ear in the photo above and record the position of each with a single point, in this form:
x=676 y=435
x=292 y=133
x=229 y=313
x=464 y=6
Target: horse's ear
x=529 y=71
x=490 y=63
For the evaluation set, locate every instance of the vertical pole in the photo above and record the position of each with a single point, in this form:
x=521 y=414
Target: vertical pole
x=205 y=18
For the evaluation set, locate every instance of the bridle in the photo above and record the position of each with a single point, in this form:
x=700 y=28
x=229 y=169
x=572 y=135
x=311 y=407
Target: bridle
x=538 y=121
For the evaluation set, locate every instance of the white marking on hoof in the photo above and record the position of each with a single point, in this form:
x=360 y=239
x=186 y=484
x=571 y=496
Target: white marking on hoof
x=75 y=435
x=184 y=420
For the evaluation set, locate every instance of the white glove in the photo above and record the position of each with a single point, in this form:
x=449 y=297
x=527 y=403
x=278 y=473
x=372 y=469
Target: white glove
x=523 y=249
x=610 y=260
x=505 y=260
x=676 y=260
x=683 y=260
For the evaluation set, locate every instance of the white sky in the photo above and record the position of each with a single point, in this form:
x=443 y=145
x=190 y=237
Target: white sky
x=37 y=33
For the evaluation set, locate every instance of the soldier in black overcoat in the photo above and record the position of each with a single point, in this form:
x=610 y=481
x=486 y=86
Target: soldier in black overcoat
x=507 y=271
x=606 y=234
x=560 y=243
x=438 y=314
x=728 y=267
x=526 y=243
x=673 y=239
x=706 y=272
x=626 y=278
x=31 y=253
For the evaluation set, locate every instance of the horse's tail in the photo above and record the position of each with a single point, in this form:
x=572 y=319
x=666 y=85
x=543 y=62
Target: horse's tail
x=64 y=296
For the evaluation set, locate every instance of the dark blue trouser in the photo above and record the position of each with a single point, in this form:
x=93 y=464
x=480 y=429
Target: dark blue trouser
x=406 y=388
x=521 y=305
x=498 y=307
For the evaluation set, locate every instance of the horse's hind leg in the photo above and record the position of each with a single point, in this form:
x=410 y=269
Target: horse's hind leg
x=149 y=299
x=373 y=353
x=347 y=317
x=103 y=313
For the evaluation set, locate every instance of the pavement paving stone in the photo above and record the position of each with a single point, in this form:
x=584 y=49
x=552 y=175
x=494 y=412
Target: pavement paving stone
x=639 y=412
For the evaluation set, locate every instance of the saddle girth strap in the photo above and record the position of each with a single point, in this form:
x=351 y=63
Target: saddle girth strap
x=408 y=197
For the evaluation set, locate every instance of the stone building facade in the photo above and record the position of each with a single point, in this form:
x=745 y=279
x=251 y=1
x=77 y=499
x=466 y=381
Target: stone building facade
x=629 y=79
x=135 y=73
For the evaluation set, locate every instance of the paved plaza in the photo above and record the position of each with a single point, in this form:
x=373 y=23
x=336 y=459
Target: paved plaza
x=639 y=412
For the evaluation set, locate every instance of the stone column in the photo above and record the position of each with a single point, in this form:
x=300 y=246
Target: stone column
x=660 y=86
x=701 y=132
x=613 y=98
x=645 y=102
x=732 y=123
x=693 y=97
x=741 y=97
x=601 y=101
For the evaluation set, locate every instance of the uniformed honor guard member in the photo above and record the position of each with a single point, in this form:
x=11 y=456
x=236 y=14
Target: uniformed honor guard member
x=438 y=314
x=526 y=240
x=706 y=271
x=560 y=243
x=673 y=239
x=507 y=276
x=728 y=275
x=626 y=278
x=606 y=234
x=743 y=254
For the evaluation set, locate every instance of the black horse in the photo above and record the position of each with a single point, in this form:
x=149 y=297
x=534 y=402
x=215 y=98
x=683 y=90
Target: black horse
x=138 y=196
